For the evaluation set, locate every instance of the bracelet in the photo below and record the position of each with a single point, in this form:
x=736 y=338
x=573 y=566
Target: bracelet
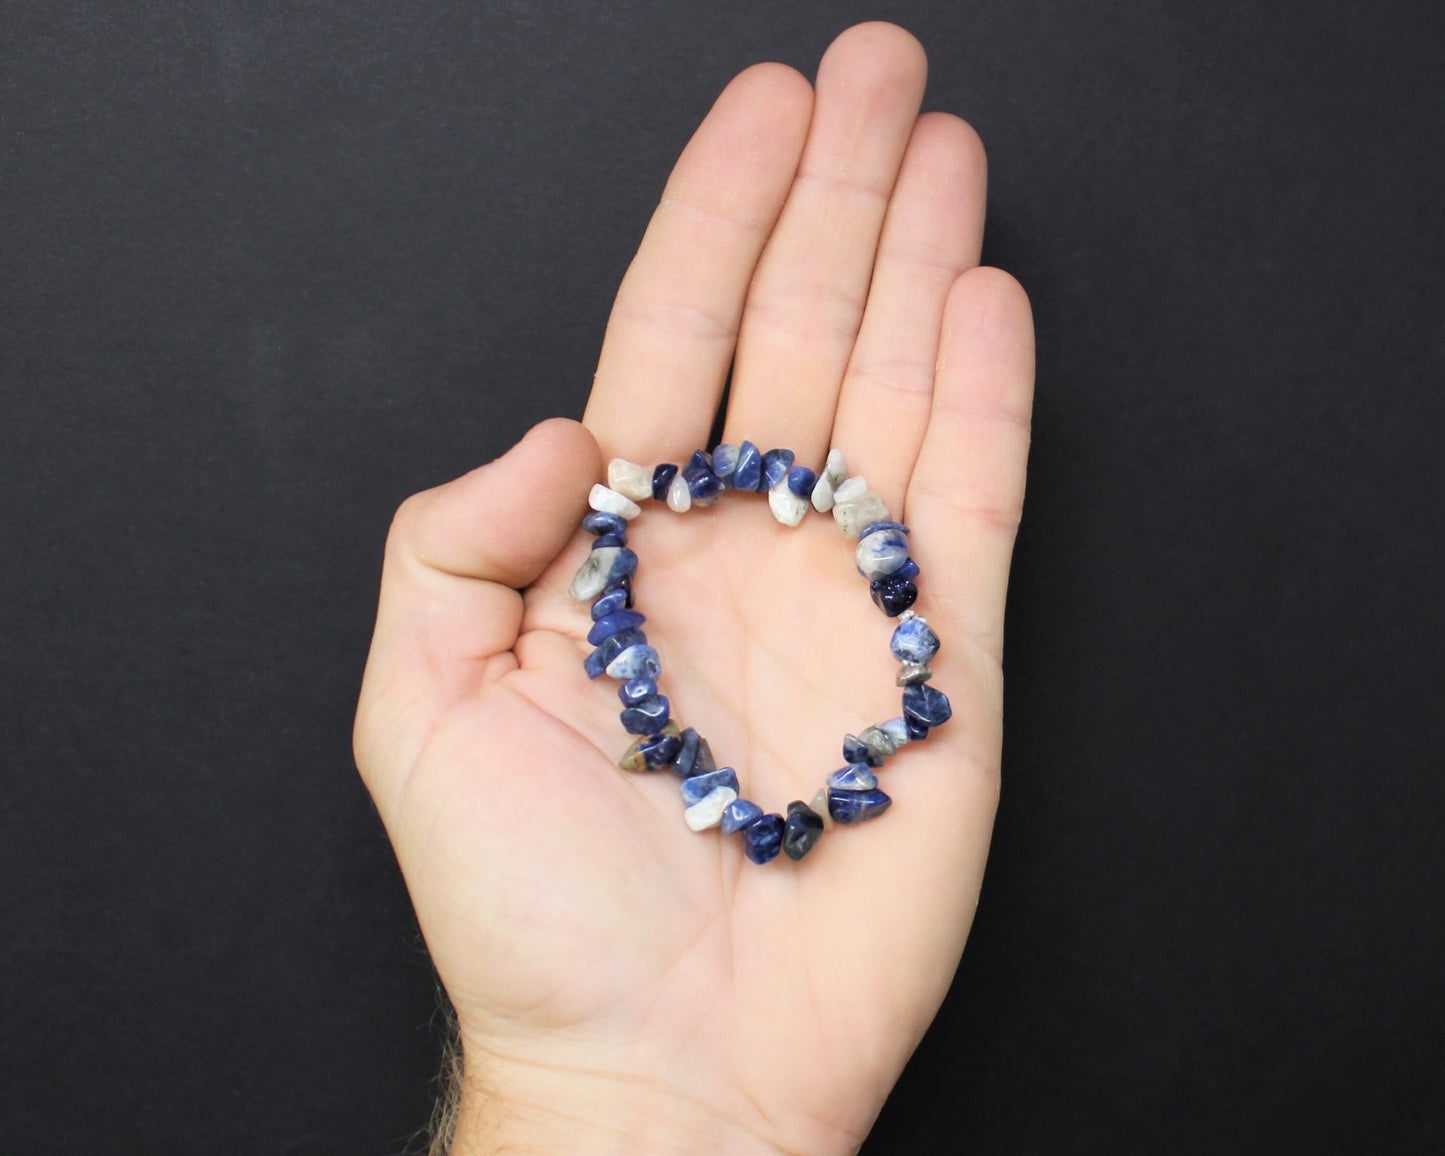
x=710 y=793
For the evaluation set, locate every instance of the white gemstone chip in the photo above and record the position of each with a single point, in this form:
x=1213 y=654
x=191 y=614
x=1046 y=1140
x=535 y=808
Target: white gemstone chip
x=835 y=469
x=823 y=494
x=708 y=811
x=679 y=497
x=858 y=511
x=592 y=575
x=606 y=501
x=854 y=487
x=630 y=479
x=820 y=804
x=786 y=506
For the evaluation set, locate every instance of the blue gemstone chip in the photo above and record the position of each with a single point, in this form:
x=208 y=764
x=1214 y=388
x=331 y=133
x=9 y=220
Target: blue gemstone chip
x=763 y=838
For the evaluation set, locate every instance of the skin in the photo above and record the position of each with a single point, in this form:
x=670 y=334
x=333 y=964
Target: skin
x=623 y=984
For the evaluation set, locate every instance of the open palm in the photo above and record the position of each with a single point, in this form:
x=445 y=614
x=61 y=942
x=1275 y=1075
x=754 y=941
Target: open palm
x=623 y=983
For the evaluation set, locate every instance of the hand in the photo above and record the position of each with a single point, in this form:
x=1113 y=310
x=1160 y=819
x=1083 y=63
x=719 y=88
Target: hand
x=622 y=983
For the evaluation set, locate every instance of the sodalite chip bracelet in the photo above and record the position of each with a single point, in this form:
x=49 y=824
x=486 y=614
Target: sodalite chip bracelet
x=711 y=794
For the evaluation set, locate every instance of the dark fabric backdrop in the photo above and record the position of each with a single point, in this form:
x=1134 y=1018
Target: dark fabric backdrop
x=269 y=267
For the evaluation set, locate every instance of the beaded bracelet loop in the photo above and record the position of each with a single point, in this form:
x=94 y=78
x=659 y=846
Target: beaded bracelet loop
x=711 y=794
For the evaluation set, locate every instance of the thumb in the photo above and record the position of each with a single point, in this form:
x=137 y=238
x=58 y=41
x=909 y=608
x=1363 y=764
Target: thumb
x=450 y=610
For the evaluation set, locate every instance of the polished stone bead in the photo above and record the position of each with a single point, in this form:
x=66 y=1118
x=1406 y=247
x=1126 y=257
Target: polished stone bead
x=896 y=729
x=908 y=570
x=695 y=757
x=763 y=838
x=610 y=601
x=595 y=664
x=739 y=814
x=696 y=786
x=835 y=469
x=884 y=524
x=708 y=811
x=893 y=595
x=679 y=497
x=819 y=803
x=724 y=461
x=635 y=662
x=776 y=464
x=595 y=523
x=822 y=495
x=878 y=742
x=636 y=690
x=652 y=752
x=661 y=479
x=857 y=510
x=612 y=623
x=917 y=731
x=748 y=470
x=702 y=484
x=801 y=481
x=912 y=673
x=609 y=501
x=853 y=777
x=855 y=750
x=914 y=641
x=881 y=553
x=857 y=806
x=616 y=538
x=801 y=829
x=700 y=460
x=851 y=490
x=786 y=506
x=629 y=479
x=647 y=717
x=602 y=569
x=923 y=704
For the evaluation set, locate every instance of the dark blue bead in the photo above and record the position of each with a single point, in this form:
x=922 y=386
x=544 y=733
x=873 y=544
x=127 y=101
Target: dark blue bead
x=739 y=813
x=916 y=730
x=914 y=641
x=853 y=777
x=748 y=472
x=698 y=787
x=856 y=806
x=614 y=644
x=700 y=460
x=636 y=690
x=659 y=750
x=801 y=830
x=855 y=750
x=612 y=623
x=687 y=754
x=763 y=838
x=647 y=717
x=925 y=705
x=702 y=485
x=724 y=461
x=801 y=481
x=871 y=527
x=612 y=538
x=893 y=595
x=599 y=523
x=907 y=572
x=661 y=479
x=776 y=464
x=610 y=601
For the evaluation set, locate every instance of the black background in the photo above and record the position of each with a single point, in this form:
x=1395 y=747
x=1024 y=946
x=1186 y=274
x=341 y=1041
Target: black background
x=268 y=268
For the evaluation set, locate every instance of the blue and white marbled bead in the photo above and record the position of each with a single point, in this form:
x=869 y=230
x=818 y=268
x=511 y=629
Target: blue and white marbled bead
x=696 y=786
x=598 y=523
x=763 y=838
x=647 y=717
x=855 y=750
x=926 y=706
x=914 y=640
x=610 y=624
x=740 y=813
x=703 y=486
x=596 y=663
x=896 y=729
x=853 y=777
x=724 y=461
x=708 y=811
x=776 y=464
x=638 y=661
x=603 y=568
x=661 y=479
x=857 y=806
x=881 y=553
x=748 y=470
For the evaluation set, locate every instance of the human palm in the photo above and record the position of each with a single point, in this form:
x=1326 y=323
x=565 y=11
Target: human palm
x=621 y=982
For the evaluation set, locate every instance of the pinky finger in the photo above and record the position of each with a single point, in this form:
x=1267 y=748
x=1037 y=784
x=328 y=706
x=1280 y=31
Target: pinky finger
x=966 y=494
